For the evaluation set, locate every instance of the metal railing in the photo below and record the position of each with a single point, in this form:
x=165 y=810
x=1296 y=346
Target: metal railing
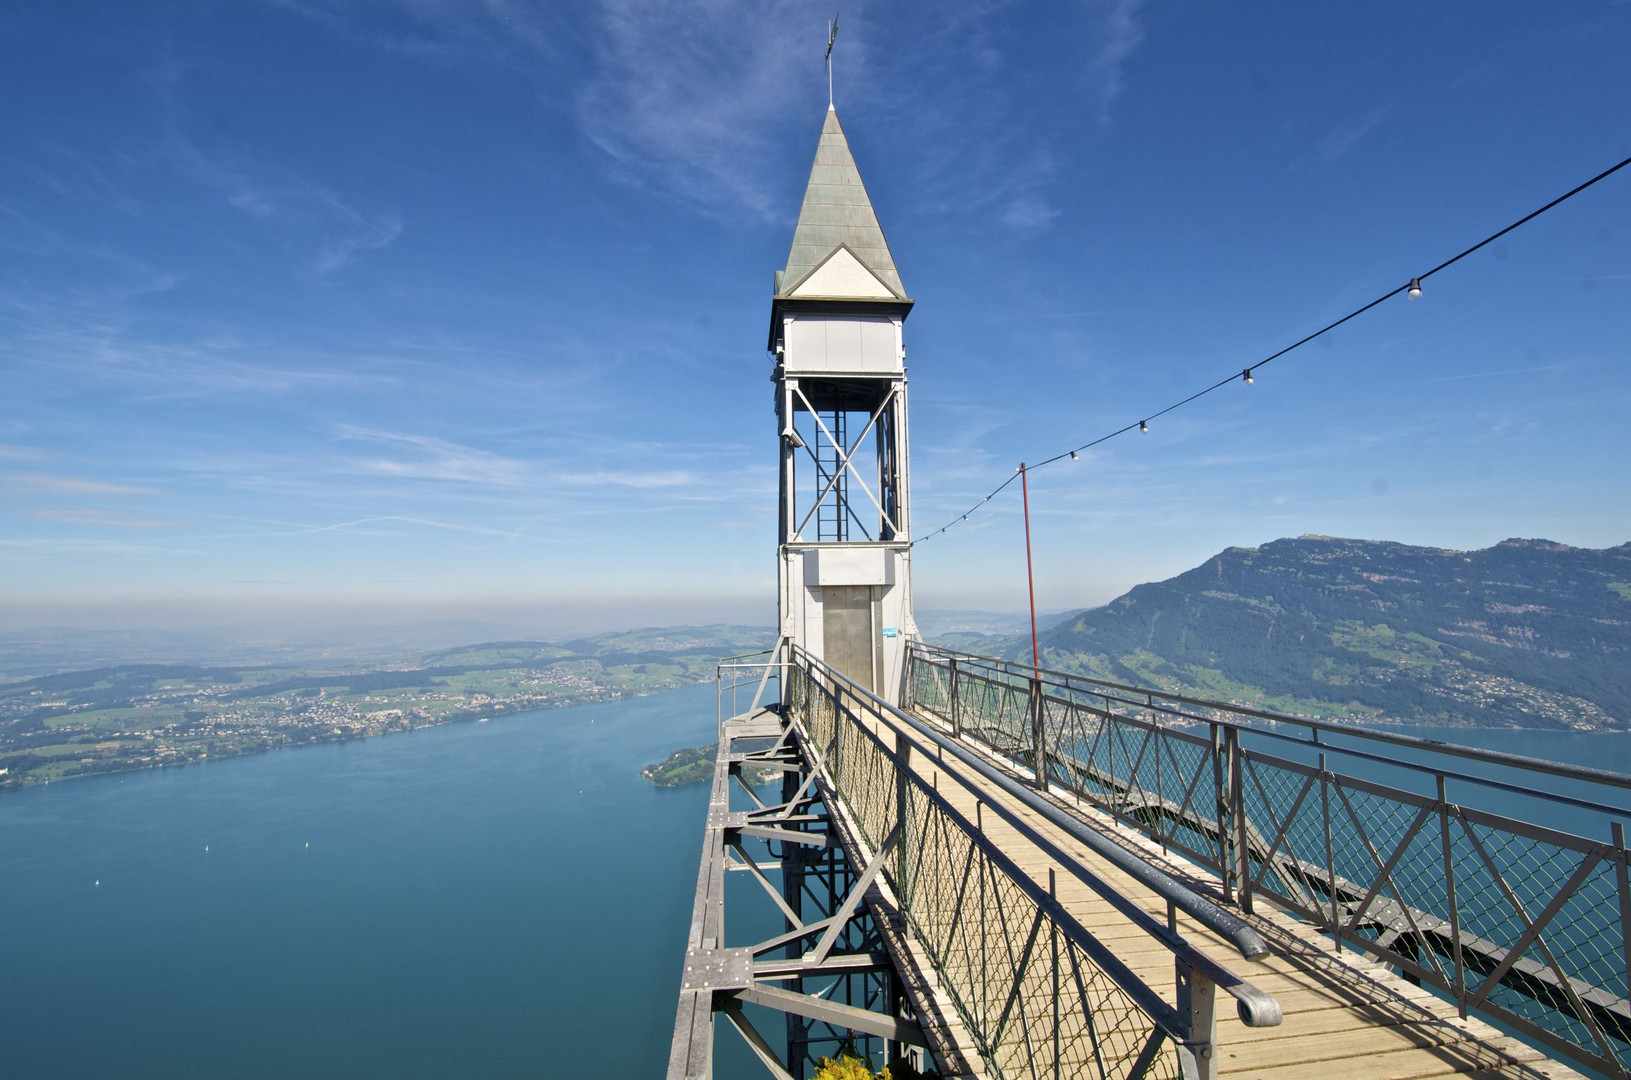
x=1040 y=995
x=735 y=676
x=1352 y=830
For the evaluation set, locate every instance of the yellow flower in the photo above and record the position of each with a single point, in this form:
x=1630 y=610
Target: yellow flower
x=846 y=1067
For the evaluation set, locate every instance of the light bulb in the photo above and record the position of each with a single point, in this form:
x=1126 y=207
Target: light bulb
x=1246 y=376
x=1414 y=291
x=1143 y=427
x=1073 y=455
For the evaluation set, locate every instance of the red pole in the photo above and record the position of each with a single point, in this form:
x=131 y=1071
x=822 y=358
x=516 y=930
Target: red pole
x=1030 y=580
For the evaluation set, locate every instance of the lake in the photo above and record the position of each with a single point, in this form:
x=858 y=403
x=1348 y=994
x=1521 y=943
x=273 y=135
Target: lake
x=494 y=900
x=480 y=899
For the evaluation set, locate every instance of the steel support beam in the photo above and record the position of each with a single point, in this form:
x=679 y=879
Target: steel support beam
x=830 y=942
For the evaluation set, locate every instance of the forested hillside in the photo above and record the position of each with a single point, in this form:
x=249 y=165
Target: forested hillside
x=1526 y=633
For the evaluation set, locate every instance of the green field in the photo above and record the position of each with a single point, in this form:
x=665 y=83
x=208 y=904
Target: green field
x=144 y=715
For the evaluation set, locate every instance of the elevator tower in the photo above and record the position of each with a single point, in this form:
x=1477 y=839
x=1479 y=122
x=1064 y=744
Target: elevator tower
x=845 y=558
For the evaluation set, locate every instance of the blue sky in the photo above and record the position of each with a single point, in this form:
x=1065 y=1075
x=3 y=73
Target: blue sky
x=426 y=308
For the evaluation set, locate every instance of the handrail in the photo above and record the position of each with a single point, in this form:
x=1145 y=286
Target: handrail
x=1256 y=1007
x=731 y=660
x=1527 y=923
x=1492 y=757
x=1209 y=914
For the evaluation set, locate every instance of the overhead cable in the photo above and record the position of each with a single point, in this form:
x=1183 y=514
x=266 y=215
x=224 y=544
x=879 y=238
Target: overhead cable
x=1412 y=288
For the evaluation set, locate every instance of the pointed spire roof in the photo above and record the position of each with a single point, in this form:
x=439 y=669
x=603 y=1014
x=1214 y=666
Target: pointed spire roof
x=837 y=214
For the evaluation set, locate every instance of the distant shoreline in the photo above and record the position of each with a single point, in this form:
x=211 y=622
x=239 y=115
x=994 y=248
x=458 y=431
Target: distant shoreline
x=130 y=717
x=330 y=739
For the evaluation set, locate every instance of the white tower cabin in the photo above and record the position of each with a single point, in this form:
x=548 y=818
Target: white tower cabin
x=835 y=331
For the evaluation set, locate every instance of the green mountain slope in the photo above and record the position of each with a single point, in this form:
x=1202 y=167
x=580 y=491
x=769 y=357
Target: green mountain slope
x=1525 y=633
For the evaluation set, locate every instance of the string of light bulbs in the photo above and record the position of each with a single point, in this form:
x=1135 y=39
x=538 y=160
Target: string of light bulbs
x=1412 y=289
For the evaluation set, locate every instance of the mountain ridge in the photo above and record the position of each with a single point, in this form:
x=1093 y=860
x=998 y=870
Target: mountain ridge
x=1527 y=632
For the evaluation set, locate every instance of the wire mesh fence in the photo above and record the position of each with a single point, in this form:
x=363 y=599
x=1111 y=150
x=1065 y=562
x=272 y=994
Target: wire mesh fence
x=1040 y=996
x=1356 y=832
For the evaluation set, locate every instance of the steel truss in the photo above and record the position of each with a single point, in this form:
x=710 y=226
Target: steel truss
x=830 y=973
x=883 y=857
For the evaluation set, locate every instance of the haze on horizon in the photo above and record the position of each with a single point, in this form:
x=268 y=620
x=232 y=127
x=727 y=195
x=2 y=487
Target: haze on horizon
x=325 y=315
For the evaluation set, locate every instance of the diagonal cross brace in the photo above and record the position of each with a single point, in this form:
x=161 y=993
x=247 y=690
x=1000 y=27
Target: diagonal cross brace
x=844 y=461
x=732 y=1008
x=770 y=890
x=786 y=836
x=896 y=1028
x=844 y=456
x=857 y=891
x=833 y=925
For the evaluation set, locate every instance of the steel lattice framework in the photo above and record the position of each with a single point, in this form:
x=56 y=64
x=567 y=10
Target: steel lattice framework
x=920 y=895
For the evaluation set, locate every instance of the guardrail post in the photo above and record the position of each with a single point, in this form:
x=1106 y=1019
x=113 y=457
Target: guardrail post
x=1330 y=856
x=903 y=819
x=1237 y=816
x=1220 y=783
x=1039 y=735
x=783 y=683
x=1053 y=969
x=1234 y=856
x=1451 y=901
x=1622 y=871
x=1197 y=1004
x=956 y=706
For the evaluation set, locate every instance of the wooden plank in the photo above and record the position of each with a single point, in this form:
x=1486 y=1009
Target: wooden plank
x=1312 y=1021
x=1339 y=1007
x=1362 y=1062
x=1307 y=1048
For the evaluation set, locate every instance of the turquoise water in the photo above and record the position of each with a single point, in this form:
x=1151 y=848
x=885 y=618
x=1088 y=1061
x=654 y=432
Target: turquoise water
x=1610 y=751
x=495 y=900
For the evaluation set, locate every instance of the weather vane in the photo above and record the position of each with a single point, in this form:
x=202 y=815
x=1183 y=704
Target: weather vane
x=832 y=35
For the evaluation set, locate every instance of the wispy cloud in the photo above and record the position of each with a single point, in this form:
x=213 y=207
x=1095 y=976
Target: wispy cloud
x=683 y=96
x=1566 y=365
x=1029 y=211
x=12 y=452
x=75 y=175
x=661 y=479
x=302 y=213
x=71 y=546
x=365 y=234
x=1337 y=142
x=506 y=32
x=680 y=97
x=94 y=339
x=361 y=524
x=109 y=272
x=110 y=519
x=52 y=484
x=960 y=119
x=436 y=458
x=1115 y=34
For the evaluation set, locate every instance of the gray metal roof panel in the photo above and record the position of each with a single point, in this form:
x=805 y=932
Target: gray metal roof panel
x=836 y=211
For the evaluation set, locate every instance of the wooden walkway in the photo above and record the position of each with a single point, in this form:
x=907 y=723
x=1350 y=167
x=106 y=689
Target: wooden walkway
x=1345 y=1016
